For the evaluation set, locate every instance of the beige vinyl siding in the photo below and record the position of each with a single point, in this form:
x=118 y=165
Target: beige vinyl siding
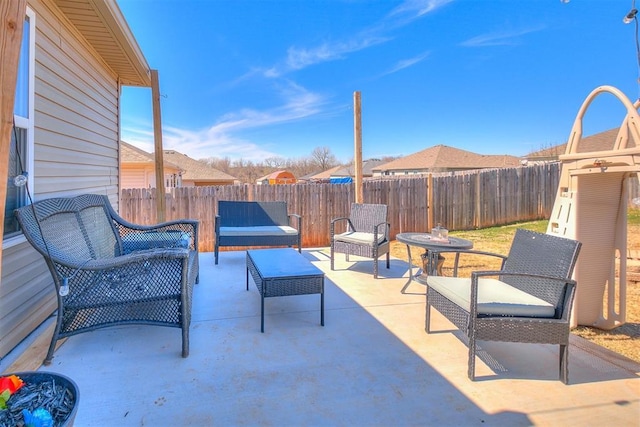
x=76 y=117
x=138 y=177
x=26 y=295
x=76 y=151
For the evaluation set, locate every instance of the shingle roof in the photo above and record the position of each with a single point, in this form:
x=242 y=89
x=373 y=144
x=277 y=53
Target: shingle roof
x=445 y=157
x=194 y=169
x=324 y=174
x=602 y=141
x=367 y=168
x=132 y=154
x=276 y=175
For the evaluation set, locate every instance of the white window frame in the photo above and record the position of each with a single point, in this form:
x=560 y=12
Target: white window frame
x=27 y=122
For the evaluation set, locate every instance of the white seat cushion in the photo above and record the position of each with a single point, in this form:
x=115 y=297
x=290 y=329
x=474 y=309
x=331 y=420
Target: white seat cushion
x=494 y=297
x=266 y=230
x=358 y=238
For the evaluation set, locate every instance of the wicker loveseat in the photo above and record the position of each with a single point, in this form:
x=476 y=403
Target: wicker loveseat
x=528 y=300
x=107 y=271
x=244 y=223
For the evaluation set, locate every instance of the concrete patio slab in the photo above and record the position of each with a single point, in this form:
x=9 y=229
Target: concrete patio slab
x=372 y=364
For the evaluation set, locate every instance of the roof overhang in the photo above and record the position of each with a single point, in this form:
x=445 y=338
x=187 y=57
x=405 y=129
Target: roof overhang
x=102 y=24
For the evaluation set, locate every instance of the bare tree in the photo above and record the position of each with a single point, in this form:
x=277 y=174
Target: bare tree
x=275 y=162
x=323 y=158
x=223 y=165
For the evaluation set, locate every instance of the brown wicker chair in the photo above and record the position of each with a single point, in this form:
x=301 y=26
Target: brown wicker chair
x=107 y=271
x=529 y=302
x=366 y=235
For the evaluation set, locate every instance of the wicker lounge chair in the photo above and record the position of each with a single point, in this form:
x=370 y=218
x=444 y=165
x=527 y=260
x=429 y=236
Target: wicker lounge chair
x=366 y=235
x=107 y=271
x=529 y=302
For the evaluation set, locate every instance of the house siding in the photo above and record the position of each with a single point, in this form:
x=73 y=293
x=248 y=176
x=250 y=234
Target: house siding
x=76 y=139
x=143 y=177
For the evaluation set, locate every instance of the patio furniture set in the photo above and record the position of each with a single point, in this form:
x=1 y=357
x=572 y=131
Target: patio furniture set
x=107 y=271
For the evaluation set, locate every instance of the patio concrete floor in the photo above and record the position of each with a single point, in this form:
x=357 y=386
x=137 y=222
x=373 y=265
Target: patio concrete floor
x=372 y=364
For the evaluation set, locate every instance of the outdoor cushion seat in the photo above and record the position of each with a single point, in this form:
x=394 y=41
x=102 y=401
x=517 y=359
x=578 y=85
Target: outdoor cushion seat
x=495 y=298
x=265 y=230
x=359 y=237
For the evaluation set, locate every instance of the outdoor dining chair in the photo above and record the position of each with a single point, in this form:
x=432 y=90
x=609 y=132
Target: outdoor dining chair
x=527 y=301
x=366 y=235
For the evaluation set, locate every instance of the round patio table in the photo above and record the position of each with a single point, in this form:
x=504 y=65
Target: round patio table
x=432 y=247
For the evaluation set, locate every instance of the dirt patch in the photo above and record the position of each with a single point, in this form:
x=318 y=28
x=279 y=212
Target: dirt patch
x=624 y=340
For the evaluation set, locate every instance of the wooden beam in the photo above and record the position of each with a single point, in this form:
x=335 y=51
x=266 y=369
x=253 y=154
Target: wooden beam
x=12 y=15
x=357 y=157
x=161 y=207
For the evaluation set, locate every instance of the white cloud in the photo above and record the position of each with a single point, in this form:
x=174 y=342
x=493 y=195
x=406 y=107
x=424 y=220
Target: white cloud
x=417 y=8
x=406 y=63
x=507 y=38
x=298 y=58
x=301 y=57
x=224 y=139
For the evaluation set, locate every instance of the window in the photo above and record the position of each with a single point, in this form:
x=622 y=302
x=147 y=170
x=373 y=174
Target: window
x=21 y=154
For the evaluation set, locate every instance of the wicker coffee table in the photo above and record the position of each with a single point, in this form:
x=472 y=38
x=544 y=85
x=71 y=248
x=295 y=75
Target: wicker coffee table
x=284 y=272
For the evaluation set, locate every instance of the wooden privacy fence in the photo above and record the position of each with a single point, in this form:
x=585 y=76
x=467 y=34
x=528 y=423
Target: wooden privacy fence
x=460 y=201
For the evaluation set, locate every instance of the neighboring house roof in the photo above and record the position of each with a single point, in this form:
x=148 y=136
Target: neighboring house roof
x=445 y=157
x=324 y=174
x=195 y=170
x=276 y=174
x=132 y=154
x=367 y=168
x=602 y=141
x=102 y=24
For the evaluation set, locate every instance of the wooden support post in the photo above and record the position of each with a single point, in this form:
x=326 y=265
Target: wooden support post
x=429 y=203
x=161 y=206
x=357 y=158
x=12 y=14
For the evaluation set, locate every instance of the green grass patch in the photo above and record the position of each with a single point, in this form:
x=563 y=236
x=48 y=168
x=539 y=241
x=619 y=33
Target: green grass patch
x=633 y=216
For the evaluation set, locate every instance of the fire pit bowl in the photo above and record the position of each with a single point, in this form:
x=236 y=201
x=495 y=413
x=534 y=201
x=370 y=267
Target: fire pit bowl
x=54 y=392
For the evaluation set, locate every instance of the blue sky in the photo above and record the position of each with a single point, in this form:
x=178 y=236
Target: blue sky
x=253 y=79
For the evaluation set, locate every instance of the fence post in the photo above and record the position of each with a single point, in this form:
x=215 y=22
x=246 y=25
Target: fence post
x=429 y=203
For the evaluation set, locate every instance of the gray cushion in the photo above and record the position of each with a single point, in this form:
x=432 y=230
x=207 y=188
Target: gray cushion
x=266 y=230
x=494 y=297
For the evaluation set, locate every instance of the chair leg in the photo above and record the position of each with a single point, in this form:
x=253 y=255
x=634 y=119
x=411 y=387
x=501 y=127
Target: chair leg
x=564 y=363
x=387 y=259
x=49 y=357
x=331 y=252
x=375 y=268
x=427 y=317
x=185 y=340
x=472 y=358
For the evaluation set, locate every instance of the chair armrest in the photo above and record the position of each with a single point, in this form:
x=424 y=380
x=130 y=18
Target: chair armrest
x=84 y=275
x=386 y=231
x=298 y=221
x=457 y=253
x=337 y=220
x=133 y=257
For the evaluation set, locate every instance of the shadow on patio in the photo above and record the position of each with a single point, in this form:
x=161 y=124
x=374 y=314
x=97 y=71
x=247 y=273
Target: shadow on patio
x=371 y=364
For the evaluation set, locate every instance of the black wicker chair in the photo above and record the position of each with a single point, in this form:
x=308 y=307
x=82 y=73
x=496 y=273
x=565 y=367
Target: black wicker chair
x=529 y=302
x=107 y=271
x=366 y=235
